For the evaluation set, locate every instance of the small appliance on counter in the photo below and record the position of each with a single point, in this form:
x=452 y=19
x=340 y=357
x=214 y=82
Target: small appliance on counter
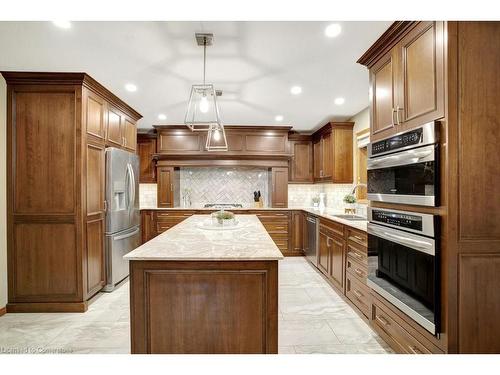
x=403 y=262
x=404 y=168
x=123 y=232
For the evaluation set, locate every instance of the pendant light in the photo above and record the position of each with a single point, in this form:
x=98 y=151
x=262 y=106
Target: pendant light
x=202 y=110
x=216 y=138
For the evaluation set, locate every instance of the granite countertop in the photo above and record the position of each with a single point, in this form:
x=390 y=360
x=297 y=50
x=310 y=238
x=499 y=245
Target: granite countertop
x=187 y=241
x=326 y=213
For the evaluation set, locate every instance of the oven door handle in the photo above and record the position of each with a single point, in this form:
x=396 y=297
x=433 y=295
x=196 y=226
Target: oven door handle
x=419 y=155
x=415 y=242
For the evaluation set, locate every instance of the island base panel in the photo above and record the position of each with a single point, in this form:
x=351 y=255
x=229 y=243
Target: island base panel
x=204 y=306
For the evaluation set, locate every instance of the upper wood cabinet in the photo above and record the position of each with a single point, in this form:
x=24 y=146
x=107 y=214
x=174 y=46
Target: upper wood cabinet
x=301 y=162
x=165 y=190
x=114 y=132
x=146 y=148
x=130 y=135
x=421 y=76
x=332 y=152
x=121 y=131
x=383 y=95
x=279 y=187
x=243 y=141
x=95 y=115
x=407 y=81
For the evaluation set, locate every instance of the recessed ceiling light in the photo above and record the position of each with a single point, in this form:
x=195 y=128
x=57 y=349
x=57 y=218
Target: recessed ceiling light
x=161 y=116
x=296 y=90
x=62 y=24
x=339 y=101
x=130 y=87
x=279 y=118
x=333 y=30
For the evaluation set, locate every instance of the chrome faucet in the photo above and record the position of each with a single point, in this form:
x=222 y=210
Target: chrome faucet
x=356 y=186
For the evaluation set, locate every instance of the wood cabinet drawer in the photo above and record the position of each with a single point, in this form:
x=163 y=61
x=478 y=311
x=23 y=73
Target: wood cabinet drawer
x=266 y=216
x=276 y=227
x=357 y=237
x=332 y=228
x=281 y=243
x=357 y=255
x=402 y=341
x=357 y=270
x=162 y=226
x=176 y=216
x=358 y=293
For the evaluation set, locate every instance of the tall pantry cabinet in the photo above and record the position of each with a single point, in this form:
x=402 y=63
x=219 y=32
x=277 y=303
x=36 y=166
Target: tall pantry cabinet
x=57 y=128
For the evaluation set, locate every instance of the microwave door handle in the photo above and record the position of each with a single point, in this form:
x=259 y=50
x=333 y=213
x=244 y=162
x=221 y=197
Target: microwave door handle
x=403 y=158
x=422 y=246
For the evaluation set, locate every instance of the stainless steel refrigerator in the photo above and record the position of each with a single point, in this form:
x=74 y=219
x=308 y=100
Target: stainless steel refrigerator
x=123 y=220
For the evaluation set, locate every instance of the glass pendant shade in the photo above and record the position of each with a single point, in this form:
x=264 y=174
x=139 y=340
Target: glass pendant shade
x=216 y=138
x=202 y=110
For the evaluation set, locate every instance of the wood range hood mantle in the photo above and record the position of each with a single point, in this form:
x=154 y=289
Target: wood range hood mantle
x=247 y=146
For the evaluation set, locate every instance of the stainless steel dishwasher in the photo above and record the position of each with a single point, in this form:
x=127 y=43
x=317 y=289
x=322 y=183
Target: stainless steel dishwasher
x=311 y=249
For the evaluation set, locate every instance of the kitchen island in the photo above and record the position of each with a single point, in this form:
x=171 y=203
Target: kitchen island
x=196 y=290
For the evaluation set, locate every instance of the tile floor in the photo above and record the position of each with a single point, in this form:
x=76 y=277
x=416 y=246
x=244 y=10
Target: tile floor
x=313 y=319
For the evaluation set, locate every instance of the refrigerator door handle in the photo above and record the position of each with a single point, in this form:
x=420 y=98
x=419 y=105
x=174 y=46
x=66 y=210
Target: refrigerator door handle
x=131 y=186
x=123 y=236
x=132 y=174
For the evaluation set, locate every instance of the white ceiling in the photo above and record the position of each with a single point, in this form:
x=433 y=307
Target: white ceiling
x=254 y=63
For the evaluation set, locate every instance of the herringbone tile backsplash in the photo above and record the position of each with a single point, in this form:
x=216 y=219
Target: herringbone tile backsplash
x=224 y=185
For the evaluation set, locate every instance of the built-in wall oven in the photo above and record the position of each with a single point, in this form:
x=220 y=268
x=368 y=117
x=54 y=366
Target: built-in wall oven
x=404 y=168
x=403 y=262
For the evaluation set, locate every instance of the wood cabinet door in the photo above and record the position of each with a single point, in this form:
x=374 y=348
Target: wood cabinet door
x=324 y=253
x=96 y=271
x=130 y=135
x=114 y=136
x=147 y=169
x=301 y=164
x=317 y=159
x=165 y=188
x=336 y=272
x=327 y=155
x=297 y=232
x=421 y=81
x=279 y=185
x=383 y=92
x=95 y=115
x=148 y=226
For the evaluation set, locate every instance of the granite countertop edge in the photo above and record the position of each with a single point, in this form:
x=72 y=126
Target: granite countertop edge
x=326 y=214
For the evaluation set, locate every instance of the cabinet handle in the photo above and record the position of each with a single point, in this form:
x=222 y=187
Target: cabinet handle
x=171 y=187
x=357 y=293
x=105 y=206
x=392 y=117
x=328 y=241
x=358 y=237
x=358 y=271
x=382 y=320
x=398 y=108
x=355 y=254
x=414 y=349
x=124 y=141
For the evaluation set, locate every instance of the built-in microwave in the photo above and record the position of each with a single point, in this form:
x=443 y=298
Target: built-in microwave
x=404 y=168
x=403 y=262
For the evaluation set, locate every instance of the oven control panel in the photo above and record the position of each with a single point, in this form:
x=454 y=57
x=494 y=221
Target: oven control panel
x=415 y=222
x=397 y=219
x=413 y=137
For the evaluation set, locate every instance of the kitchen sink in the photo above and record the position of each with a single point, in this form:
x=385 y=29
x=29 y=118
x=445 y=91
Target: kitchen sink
x=351 y=217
